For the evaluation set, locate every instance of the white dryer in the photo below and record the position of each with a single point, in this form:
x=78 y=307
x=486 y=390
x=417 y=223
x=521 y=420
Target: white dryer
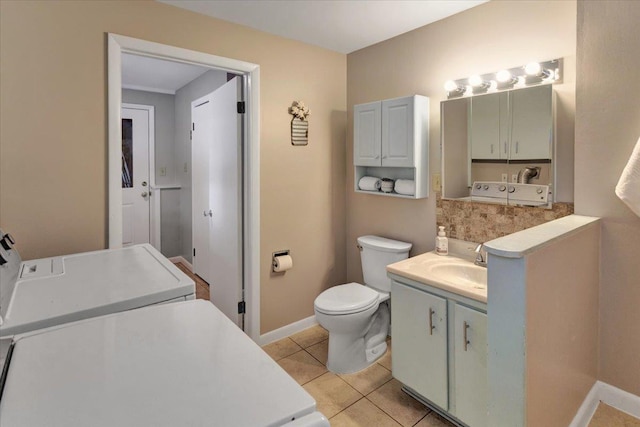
x=182 y=364
x=51 y=291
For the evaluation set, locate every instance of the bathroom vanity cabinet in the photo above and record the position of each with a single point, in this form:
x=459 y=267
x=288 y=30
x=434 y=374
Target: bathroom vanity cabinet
x=391 y=140
x=440 y=349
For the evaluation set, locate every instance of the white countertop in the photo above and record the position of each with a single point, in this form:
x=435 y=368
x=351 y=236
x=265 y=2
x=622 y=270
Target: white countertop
x=518 y=244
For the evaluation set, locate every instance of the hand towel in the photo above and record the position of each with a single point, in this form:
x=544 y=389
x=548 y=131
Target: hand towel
x=406 y=187
x=628 y=188
x=369 y=183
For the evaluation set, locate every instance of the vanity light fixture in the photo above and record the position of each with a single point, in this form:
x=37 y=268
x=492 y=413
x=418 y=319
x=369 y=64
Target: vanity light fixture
x=454 y=89
x=505 y=80
x=532 y=74
x=478 y=84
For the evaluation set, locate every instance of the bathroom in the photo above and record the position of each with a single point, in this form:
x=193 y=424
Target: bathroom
x=307 y=203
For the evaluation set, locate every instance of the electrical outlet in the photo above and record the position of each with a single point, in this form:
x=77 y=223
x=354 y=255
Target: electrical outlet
x=186 y=167
x=505 y=177
x=514 y=177
x=436 y=185
x=163 y=171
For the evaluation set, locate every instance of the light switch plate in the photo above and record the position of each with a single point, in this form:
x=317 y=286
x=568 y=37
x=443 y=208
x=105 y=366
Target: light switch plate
x=436 y=185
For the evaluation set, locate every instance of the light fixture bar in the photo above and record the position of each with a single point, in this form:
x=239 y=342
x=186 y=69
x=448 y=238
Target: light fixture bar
x=532 y=74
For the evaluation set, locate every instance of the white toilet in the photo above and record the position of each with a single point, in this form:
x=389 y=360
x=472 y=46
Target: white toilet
x=357 y=316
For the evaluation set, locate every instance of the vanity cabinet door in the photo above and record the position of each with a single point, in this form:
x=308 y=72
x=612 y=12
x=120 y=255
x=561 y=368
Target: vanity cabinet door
x=470 y=358
x=419 y=330
x=398 y=133
x=367 y=134
x=531 y=123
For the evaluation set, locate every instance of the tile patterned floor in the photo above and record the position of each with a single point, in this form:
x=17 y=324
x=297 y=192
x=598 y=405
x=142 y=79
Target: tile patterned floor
x=367 y=398
x=372 y=397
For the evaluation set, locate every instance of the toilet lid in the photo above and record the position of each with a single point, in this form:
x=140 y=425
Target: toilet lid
x=344 y=299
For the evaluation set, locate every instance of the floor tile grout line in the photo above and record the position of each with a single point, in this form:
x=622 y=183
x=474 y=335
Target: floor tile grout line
x=388 y=414
x=363 y=397
x=429 y=411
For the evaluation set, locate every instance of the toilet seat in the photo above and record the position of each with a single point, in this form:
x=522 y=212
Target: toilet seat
x=346 y=299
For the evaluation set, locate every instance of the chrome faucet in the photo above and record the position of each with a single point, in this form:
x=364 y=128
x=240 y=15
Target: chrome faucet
x=481 y=257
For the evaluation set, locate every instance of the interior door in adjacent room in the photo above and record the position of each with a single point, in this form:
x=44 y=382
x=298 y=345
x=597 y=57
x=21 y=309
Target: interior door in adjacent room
x=135 y=173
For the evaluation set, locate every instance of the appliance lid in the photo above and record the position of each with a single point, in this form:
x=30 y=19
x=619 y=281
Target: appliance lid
x=344 y=299
x=91 y=284
x=177 y=364
x=384 y=244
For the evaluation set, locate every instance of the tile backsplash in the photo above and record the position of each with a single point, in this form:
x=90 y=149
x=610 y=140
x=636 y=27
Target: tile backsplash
x=481 y=222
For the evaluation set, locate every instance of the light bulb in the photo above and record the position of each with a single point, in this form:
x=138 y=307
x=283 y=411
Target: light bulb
x=450 y=86
x=533 y=69
x=475 y=80
x=503 y=76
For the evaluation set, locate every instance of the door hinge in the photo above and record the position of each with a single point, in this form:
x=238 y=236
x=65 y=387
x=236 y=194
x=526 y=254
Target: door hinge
x=242 y=309
x=241 y=107
x=194 y=251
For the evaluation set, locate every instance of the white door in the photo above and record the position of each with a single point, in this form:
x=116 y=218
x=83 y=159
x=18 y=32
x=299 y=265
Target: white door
x=135 y=175
x=217 y=196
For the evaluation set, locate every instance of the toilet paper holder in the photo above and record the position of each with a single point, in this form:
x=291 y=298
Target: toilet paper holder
x=277 y=254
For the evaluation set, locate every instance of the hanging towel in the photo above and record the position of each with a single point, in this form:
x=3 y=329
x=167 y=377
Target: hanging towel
x=406 y=187
x=369 y=183
x=628 y=188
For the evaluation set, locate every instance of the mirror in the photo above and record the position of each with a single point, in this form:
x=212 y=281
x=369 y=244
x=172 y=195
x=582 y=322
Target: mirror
x=498 y=147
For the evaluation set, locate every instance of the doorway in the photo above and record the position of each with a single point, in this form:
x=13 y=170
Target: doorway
x=250 y=218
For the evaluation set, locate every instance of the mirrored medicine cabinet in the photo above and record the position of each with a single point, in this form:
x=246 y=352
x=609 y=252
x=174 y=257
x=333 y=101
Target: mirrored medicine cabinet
x=499 y=147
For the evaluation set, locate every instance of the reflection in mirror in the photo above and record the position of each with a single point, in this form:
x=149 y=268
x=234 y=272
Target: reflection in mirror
x=498 y=147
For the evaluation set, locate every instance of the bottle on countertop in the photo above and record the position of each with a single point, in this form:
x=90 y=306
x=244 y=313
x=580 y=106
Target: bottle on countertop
x=442 y=243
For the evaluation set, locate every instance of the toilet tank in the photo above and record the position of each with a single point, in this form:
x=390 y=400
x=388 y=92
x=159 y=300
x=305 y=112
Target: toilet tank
x=375 y=254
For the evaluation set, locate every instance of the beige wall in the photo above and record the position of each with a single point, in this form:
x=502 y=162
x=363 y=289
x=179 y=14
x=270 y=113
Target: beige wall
x=607 y=128
x=53 y=186
x=486 y=38
x=562 y=327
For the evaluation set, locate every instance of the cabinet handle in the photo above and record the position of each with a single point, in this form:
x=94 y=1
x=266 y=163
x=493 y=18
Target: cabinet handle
x=517 y=146
x=491 y=148
x=431 y=327
x=505 y=147
x=465 y=327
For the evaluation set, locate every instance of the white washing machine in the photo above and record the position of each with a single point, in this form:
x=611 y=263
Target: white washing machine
x=51 y=291
x=182 y=364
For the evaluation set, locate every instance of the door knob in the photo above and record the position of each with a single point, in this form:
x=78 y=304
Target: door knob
x=144 y=194
x=144 y=183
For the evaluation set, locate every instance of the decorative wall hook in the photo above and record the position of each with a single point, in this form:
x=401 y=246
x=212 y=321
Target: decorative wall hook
x=299 y=123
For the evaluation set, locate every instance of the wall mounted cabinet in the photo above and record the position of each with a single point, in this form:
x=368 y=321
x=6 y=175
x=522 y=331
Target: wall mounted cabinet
x=440 y=350
x=391 y=140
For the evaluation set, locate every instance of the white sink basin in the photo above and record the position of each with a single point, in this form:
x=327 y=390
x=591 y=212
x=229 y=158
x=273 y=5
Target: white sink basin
x=454 y=274
x=463 y=273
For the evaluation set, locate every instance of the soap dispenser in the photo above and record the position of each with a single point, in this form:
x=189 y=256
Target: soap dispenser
x=442 y=243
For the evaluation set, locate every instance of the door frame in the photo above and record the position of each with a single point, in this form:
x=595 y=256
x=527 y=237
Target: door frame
x=154 y=203
x=117 y=45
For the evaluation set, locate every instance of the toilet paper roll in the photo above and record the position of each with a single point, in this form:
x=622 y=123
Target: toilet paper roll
x=369 y=183
x=406 y=187
x=282 y=263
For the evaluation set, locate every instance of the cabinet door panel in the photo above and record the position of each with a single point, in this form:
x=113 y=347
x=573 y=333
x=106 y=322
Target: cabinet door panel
x=367 y=134
x=531 y=123
x=398 y=132
x=419 y=329
x=485 y=127
x=470 y=366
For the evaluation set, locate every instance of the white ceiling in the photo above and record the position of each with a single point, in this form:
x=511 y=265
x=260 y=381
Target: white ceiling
x=340 y=25
x=157 y=75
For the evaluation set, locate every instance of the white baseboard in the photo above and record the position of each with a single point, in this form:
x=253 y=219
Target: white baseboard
x=288 y=330
x=183 y=261
x=612 y=396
